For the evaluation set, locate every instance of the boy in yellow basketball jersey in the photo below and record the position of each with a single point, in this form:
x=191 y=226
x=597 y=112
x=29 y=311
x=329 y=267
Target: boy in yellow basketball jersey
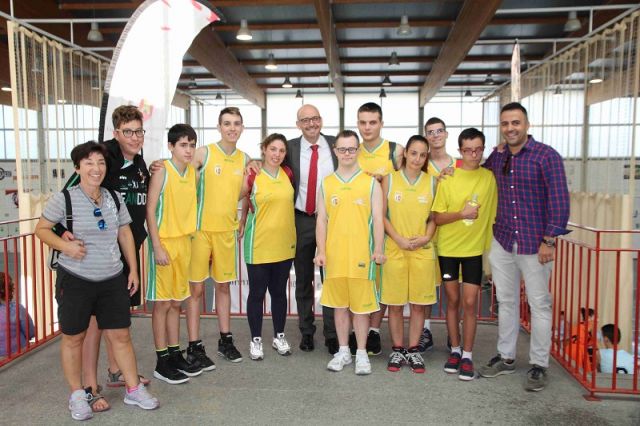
x=464 y=210
x=171 y=220
x=349 y=237
x=377 y=157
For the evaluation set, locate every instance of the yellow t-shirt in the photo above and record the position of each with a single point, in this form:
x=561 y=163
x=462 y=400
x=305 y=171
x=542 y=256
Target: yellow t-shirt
x=456 y=239
x=176 y=209
x=433 y=169
x=349 y=244
x=219 y=189
x=378 y=161
x=408 y=208
x=270 y=233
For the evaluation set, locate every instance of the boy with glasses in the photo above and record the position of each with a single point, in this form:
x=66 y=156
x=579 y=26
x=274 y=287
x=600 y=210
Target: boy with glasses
x=464 y=210
x=349 y=237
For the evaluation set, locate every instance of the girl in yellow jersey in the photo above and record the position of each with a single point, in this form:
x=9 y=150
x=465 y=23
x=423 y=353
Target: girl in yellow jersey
x=269 y=243
x=171 y=219
x=409 y=275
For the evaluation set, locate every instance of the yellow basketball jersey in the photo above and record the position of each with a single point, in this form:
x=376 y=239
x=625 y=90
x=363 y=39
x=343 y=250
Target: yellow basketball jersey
x=270 y=233
x=219 y=188
x=433 y=169
x=409 y=206
x=349 y=243
x=177 y=204
x=378 y=161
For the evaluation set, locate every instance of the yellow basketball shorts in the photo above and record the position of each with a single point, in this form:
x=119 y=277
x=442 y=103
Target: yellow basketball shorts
x=357 y=294
x=407 y=278
x=170 y=282
x=215 y=255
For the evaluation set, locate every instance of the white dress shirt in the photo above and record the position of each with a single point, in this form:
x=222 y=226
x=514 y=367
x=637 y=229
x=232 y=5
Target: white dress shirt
x=325 y=168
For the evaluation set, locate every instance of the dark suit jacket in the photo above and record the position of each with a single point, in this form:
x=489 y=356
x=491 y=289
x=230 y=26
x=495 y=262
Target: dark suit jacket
x=293 y=159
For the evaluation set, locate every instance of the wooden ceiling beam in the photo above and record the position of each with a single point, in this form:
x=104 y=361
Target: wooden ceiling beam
x=324 y=15
x=472 y=19
x=209 y=50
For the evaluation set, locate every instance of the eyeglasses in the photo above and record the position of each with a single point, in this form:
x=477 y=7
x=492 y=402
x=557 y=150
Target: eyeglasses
x=307 y=120
x=343 y=150
x=507 y=165
x=127 y=133
x=435 y=132
x=469 y=151
x=102 y=225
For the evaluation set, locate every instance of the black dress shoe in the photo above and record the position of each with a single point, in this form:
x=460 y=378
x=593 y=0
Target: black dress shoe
x=332 y=345
x=307 y=343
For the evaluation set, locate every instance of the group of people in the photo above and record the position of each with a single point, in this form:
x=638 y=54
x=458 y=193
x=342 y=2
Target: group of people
x=386 y=224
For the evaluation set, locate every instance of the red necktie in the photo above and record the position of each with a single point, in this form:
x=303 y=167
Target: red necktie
x=313 y=180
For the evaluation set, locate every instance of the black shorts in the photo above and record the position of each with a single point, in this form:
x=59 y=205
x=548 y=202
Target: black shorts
x=79 y=299
x=471 y=269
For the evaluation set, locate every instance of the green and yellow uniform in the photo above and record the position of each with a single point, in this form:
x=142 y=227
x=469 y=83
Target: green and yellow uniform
x=378 y=161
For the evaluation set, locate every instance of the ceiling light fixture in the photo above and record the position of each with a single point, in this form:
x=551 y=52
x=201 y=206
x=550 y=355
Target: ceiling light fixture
x=489 y=80
x=572 y=24
x=393 y=60
x=404 y=29
x=468 y=94
x=383 y=94
x=299 y=94
x=95 y=34
x=596 y=80
x=287 y=83
x=386 y=81
x=557 y=91
x=271 y=63
x=243 y=33
x=218 y=97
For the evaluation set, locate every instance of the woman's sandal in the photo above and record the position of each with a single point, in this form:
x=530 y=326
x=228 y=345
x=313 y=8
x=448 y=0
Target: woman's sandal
x=116 y=380
x=96 y=400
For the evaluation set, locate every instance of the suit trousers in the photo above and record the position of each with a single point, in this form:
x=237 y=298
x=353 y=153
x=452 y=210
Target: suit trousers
x=305 y=274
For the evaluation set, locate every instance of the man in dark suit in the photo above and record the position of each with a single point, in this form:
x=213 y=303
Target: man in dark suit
x=311 y=158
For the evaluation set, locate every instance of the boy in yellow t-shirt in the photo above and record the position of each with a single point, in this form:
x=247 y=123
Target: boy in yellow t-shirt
x=171 y=220
x=464 y=210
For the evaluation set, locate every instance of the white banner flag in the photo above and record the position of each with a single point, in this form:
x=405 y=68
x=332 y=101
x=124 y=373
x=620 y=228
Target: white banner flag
x=515 y=73
x=147 y=64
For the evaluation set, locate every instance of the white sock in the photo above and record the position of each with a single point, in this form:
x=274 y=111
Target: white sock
x=427 y=324
x=377 y=330
x=456 y=350
x=344 y=349
x=362 y=352
x=466 y=354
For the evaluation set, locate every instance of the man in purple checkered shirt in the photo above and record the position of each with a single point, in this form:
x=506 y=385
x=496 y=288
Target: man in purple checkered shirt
x=533 y=209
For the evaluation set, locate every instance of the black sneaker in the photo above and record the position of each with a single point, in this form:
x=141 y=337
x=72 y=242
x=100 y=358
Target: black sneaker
x=197 y=354
x=466 y=370
x=396 y=360
x=227 y=350
x=353 y=343
x=177 y=361
x=374 y=346
x=426 y=340
x=166 y=372
x=453 y=363
x=448 y=343
x=536 y=379
x=415 y=360
x=332 y=345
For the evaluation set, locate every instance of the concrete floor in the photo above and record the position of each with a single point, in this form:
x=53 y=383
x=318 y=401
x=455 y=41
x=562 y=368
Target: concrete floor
x=298 y=388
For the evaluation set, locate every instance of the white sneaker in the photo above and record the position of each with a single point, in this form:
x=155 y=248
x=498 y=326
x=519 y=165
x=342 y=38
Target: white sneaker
x=363 y=366
x=79 y=405
x=281 y=345
x=339 y=360
x=255 y=349
x=142 y=398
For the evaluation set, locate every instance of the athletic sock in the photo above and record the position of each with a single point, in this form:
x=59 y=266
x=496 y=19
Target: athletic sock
x=467 y=355
x=195 y=343
x=377 y=330
x=427 y=324
x=397 y=348
x=344 y=350
x=162 y=353
x=456 y=350
x=361 y=352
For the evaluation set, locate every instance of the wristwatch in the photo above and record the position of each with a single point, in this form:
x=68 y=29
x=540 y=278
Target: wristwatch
x=549 y=242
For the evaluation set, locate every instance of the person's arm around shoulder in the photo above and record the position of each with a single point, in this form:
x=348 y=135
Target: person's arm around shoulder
x=199 y=157
x=378 y=225
x=153 y=195
x=321 y=230
x=397 y=156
